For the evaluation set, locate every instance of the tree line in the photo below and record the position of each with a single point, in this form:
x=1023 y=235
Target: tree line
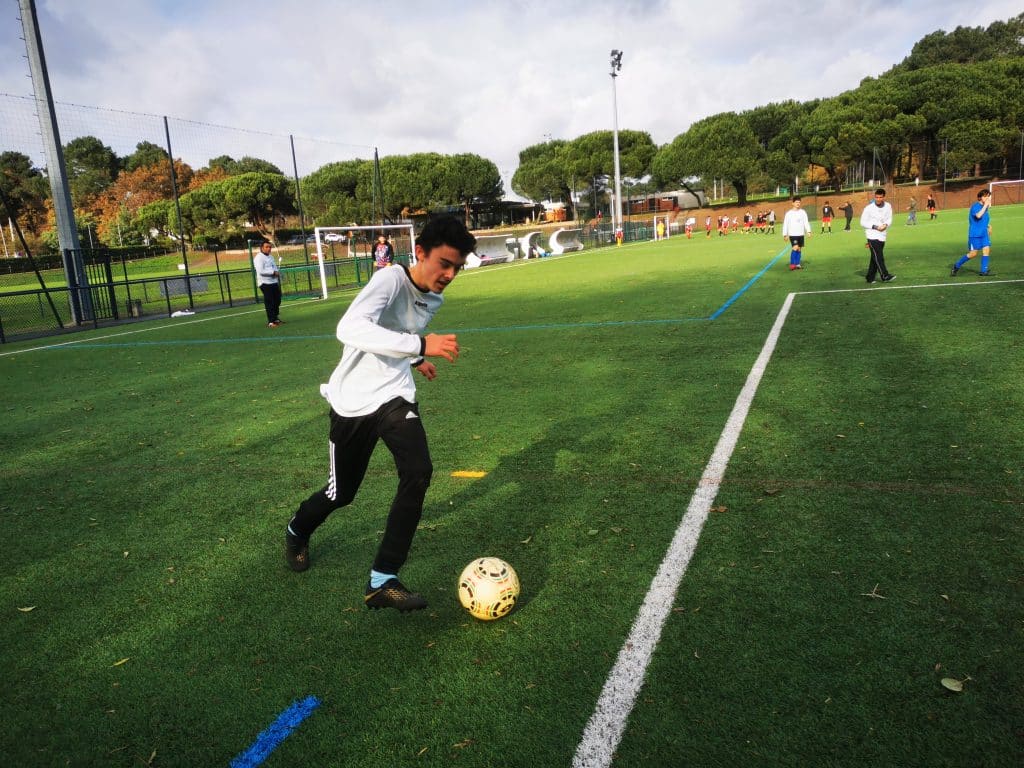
x=953 y=103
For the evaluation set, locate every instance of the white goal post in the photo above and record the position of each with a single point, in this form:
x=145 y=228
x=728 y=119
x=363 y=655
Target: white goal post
x=1012 y=195
x=348 y=233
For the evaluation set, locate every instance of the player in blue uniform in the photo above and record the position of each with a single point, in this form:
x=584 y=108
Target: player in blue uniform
x=979 y=233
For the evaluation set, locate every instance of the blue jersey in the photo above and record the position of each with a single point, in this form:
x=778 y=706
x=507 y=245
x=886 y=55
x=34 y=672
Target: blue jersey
x=977 y=227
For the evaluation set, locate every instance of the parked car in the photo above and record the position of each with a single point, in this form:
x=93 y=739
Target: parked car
x=335 y=237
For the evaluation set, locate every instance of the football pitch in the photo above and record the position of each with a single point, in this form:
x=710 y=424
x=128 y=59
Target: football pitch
x=790 y=504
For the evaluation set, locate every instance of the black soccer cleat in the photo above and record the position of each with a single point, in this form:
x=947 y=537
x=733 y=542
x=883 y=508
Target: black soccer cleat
x=392 y=594
x=888 y=278
x=296 y=552
x=954 y=270
x=985 y=274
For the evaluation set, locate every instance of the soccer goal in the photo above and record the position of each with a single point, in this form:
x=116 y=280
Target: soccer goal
x=359 y=240
x=1007 y=191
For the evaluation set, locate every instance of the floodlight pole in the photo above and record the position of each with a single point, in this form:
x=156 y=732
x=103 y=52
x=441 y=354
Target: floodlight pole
x=56 y=170
x=617 y=208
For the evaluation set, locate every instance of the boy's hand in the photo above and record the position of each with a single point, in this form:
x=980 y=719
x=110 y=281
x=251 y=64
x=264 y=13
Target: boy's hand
x=442 y=345
x=428 y=369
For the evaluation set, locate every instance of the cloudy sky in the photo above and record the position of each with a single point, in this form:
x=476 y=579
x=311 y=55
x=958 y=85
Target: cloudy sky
x=486 y=77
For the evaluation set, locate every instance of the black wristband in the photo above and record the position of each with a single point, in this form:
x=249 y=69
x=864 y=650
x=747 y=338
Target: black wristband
x=423 y=346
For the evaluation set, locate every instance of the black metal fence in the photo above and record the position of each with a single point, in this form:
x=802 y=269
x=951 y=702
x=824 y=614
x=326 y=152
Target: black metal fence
x=111 y=295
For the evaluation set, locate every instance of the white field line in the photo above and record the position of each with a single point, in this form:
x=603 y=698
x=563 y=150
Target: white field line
x=606 y=726
x=608 y=722
x=147 y=329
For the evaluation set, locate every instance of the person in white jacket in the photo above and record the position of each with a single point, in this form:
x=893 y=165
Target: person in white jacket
x=794 y=228
x=876 y=220
x=373 y=397
x=269 y=278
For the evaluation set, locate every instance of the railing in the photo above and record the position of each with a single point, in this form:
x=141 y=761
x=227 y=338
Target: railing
x=27 y=312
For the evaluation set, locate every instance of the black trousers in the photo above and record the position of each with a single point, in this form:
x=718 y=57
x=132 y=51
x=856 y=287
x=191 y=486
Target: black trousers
x=271 y=300
x=877 y=262
x=352 y=440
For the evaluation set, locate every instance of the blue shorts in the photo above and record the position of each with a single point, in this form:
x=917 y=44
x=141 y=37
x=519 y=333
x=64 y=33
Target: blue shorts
x=979 y=242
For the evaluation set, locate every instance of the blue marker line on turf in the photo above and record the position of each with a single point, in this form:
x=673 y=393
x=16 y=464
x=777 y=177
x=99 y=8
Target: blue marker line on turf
x=485 y=329
x=750 y=282
x=278 y=731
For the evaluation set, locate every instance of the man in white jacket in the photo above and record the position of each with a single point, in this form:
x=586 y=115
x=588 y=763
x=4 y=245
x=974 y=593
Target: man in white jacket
x=876 y=220
x=373 y=397
x=794 y=228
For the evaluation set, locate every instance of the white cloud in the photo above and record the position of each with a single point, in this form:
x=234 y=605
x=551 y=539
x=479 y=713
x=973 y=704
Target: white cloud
x=489 y=77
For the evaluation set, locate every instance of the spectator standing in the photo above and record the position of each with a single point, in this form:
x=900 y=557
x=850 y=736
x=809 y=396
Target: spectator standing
x=268 y=277
x=383 y=253
x=848 y=212
x=933 y=210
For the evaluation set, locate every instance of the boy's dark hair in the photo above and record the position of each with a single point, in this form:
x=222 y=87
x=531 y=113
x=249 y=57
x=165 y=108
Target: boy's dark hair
x=880 y=191
x=264 y=241
x=796 y=197
x=446 y=230
x=983 y=192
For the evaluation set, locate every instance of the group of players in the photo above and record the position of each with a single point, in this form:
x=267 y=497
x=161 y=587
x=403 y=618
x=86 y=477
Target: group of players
x=876 y=220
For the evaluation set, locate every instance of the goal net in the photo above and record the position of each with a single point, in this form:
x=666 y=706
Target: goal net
x=1004 y=192
x=356 y=245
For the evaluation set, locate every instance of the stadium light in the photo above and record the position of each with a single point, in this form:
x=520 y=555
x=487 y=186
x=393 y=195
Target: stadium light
x=617 y=208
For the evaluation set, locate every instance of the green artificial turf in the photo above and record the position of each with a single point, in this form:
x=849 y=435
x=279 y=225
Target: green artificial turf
x=865 y=543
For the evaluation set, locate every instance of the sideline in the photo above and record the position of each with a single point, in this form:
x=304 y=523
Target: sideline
x=608 y=722
x=604 y=730
x=89 y=341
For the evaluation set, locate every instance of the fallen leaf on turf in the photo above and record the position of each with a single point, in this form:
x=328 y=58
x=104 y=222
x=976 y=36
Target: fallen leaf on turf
x=422 y=751
x=526 y=540
x=27 y=608
x=952 y=684
x=719 y=509
x=840 y=435
x=122 y=661
x=464 y=743
x=592 y=532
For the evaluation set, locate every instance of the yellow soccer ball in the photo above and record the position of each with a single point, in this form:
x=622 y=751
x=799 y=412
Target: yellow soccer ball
x=488 y=588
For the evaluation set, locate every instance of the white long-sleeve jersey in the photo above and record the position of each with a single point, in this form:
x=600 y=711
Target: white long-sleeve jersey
x=381 y=333
x=874 y=216
x=796 y=223
x=265 y=267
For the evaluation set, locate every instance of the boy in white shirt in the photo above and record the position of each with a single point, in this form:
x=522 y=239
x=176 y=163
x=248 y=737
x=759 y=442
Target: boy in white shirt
x=373 y=397
x=794 y=227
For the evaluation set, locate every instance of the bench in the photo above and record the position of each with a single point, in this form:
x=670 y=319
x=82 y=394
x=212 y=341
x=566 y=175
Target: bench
x=565 y=241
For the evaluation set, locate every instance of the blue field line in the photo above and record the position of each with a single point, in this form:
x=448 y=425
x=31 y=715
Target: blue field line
x=278 y=731
x=715 y=315
x=483 y=329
